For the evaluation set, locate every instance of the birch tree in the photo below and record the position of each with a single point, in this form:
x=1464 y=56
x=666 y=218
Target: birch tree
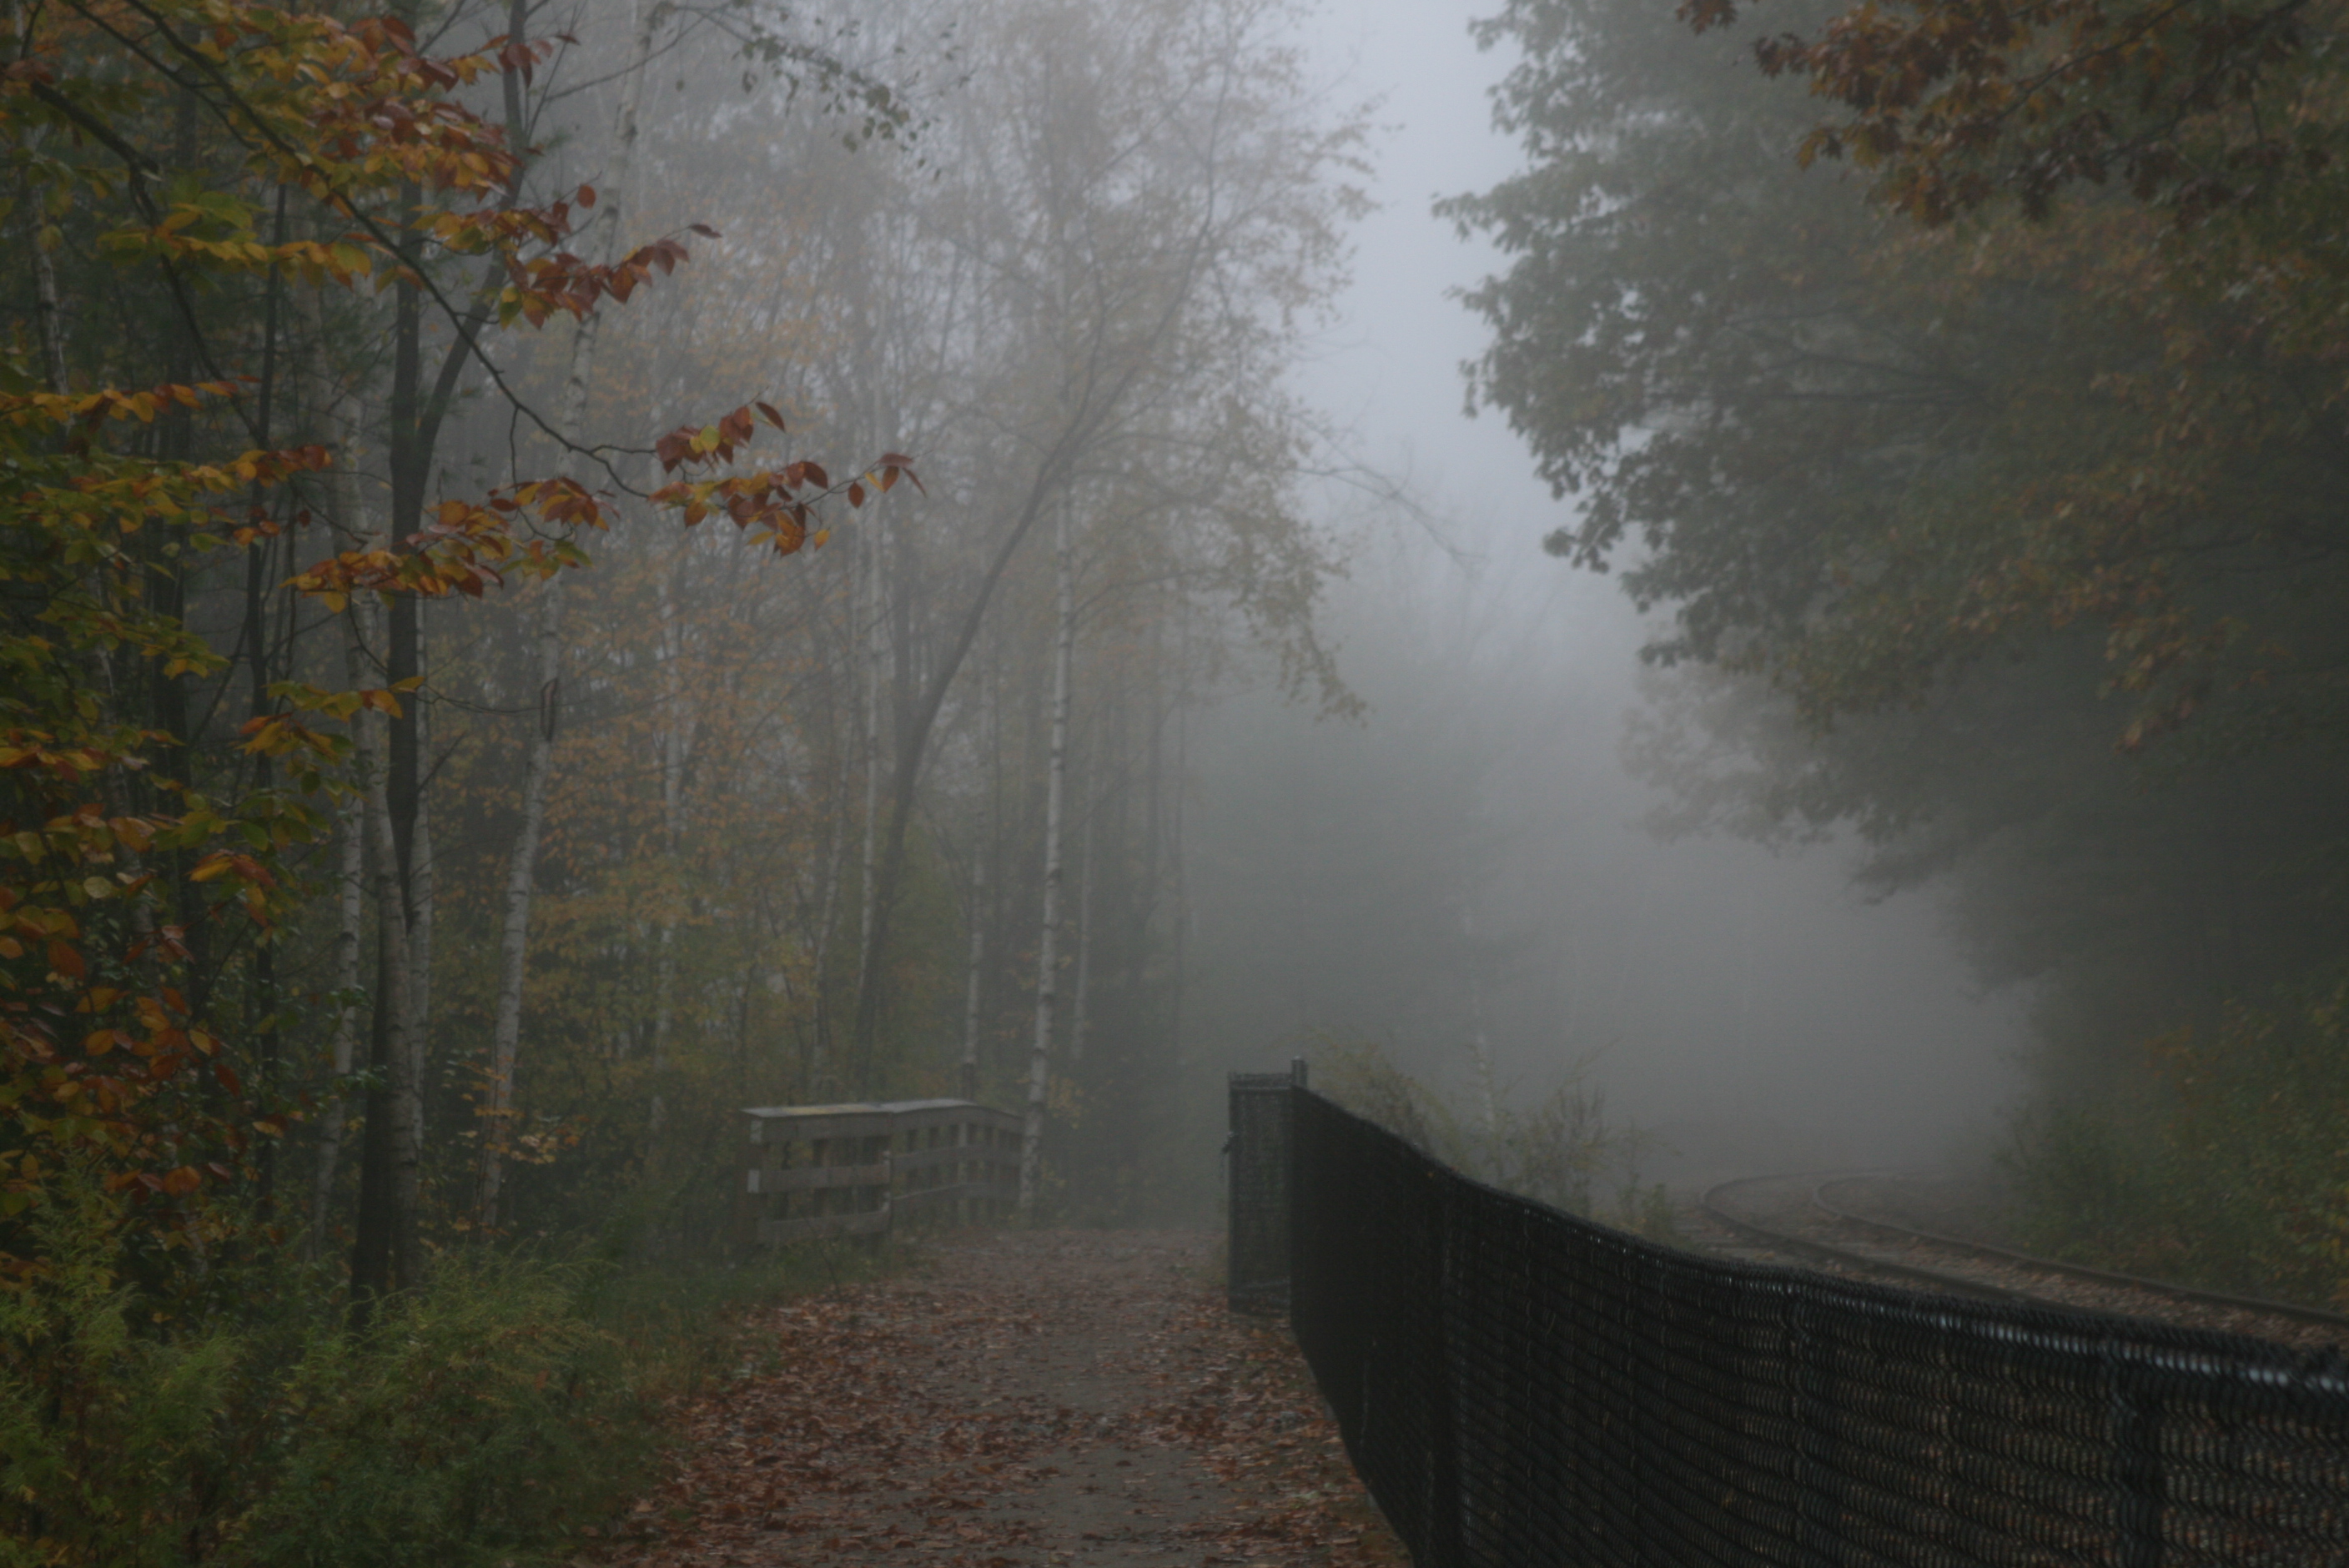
x=1148 y=221
x=1048 y=940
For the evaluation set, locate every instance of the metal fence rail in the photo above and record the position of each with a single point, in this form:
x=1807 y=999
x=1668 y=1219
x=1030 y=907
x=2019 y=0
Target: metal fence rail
x=1519 y=1387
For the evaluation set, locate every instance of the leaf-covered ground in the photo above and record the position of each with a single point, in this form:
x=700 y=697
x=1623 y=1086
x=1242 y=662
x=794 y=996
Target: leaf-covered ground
x=1017 y=1400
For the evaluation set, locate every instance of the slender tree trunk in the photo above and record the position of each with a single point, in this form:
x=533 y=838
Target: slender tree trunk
x=913 y=730
x=258 y=580
x=1047 y=956
x=828 y=917
x=45 y=309
x=522 y=870
x=384 y=1255
x=1480 y=1045
x=422 y=890
x=875 y=653
x=351 y=906
x=520 y=881
x=546 y=635
x=340 y=412
x=675 y=740
x=416 y=410
x=1177 y=862
x=1079 y=1003
x=983 y=846
x=402 y=782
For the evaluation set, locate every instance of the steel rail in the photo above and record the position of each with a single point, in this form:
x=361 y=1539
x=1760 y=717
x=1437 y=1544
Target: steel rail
x=1983 y=1250
x=1802 y=1247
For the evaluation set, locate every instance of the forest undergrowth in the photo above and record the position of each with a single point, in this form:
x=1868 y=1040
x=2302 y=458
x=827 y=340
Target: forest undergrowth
x=500 y=1412
x=2221 y=1164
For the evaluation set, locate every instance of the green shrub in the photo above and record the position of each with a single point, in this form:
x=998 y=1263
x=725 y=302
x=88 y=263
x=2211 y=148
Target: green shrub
x=2231 y=1171
x=480 y=1417
x=486 y=1417
x=109 y=1444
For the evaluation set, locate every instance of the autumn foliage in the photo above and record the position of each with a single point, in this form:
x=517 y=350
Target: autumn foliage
x=129 y=873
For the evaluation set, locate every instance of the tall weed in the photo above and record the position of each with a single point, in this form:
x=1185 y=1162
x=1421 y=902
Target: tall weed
x=1563 y=1151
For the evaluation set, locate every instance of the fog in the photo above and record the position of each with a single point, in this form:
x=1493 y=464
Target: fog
x=1751 y=1006
x=961 y=567
x=586 y=584
x=1754 y=1007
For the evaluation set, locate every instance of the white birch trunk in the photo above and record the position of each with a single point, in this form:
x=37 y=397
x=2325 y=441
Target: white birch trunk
x=522 y=870
x=1177 y=862
x=983 y=846
x=341 y=413
x=391 y=923
x=1078 y=1010
x=675 y=740
x=1079 y=1003
x=827 y=916
x=1047 y=956
x=875 y=653
x=351 y=826
x=546 y=634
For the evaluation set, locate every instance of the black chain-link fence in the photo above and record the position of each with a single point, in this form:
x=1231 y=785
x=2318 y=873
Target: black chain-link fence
x=1519 y=1386
x=1257 y=1263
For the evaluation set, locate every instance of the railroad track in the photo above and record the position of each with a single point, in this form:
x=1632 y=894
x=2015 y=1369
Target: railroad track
x=1813 y=1217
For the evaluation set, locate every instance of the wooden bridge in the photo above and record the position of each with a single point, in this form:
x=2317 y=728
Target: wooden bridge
x=867 y=1167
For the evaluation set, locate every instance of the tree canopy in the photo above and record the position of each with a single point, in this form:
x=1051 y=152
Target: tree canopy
x=1962 y=382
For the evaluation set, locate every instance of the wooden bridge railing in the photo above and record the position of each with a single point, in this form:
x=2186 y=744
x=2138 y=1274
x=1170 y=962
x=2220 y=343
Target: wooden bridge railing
x=866 y=1167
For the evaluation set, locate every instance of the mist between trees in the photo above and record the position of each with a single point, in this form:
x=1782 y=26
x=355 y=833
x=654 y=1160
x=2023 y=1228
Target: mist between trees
x=569 y=571
x=575 y=570
x=1961 y=389
x=791 y=810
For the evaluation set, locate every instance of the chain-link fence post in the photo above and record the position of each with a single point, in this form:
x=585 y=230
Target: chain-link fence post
x=1258 y=1153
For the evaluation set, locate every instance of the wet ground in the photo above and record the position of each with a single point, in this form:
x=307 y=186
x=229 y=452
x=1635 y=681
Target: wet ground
x=1017 y=1400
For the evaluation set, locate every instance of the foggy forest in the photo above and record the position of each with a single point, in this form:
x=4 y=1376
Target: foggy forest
x=574 y=567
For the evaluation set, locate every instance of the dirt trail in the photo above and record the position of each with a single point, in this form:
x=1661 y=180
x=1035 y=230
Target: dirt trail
x=1018 y=1400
